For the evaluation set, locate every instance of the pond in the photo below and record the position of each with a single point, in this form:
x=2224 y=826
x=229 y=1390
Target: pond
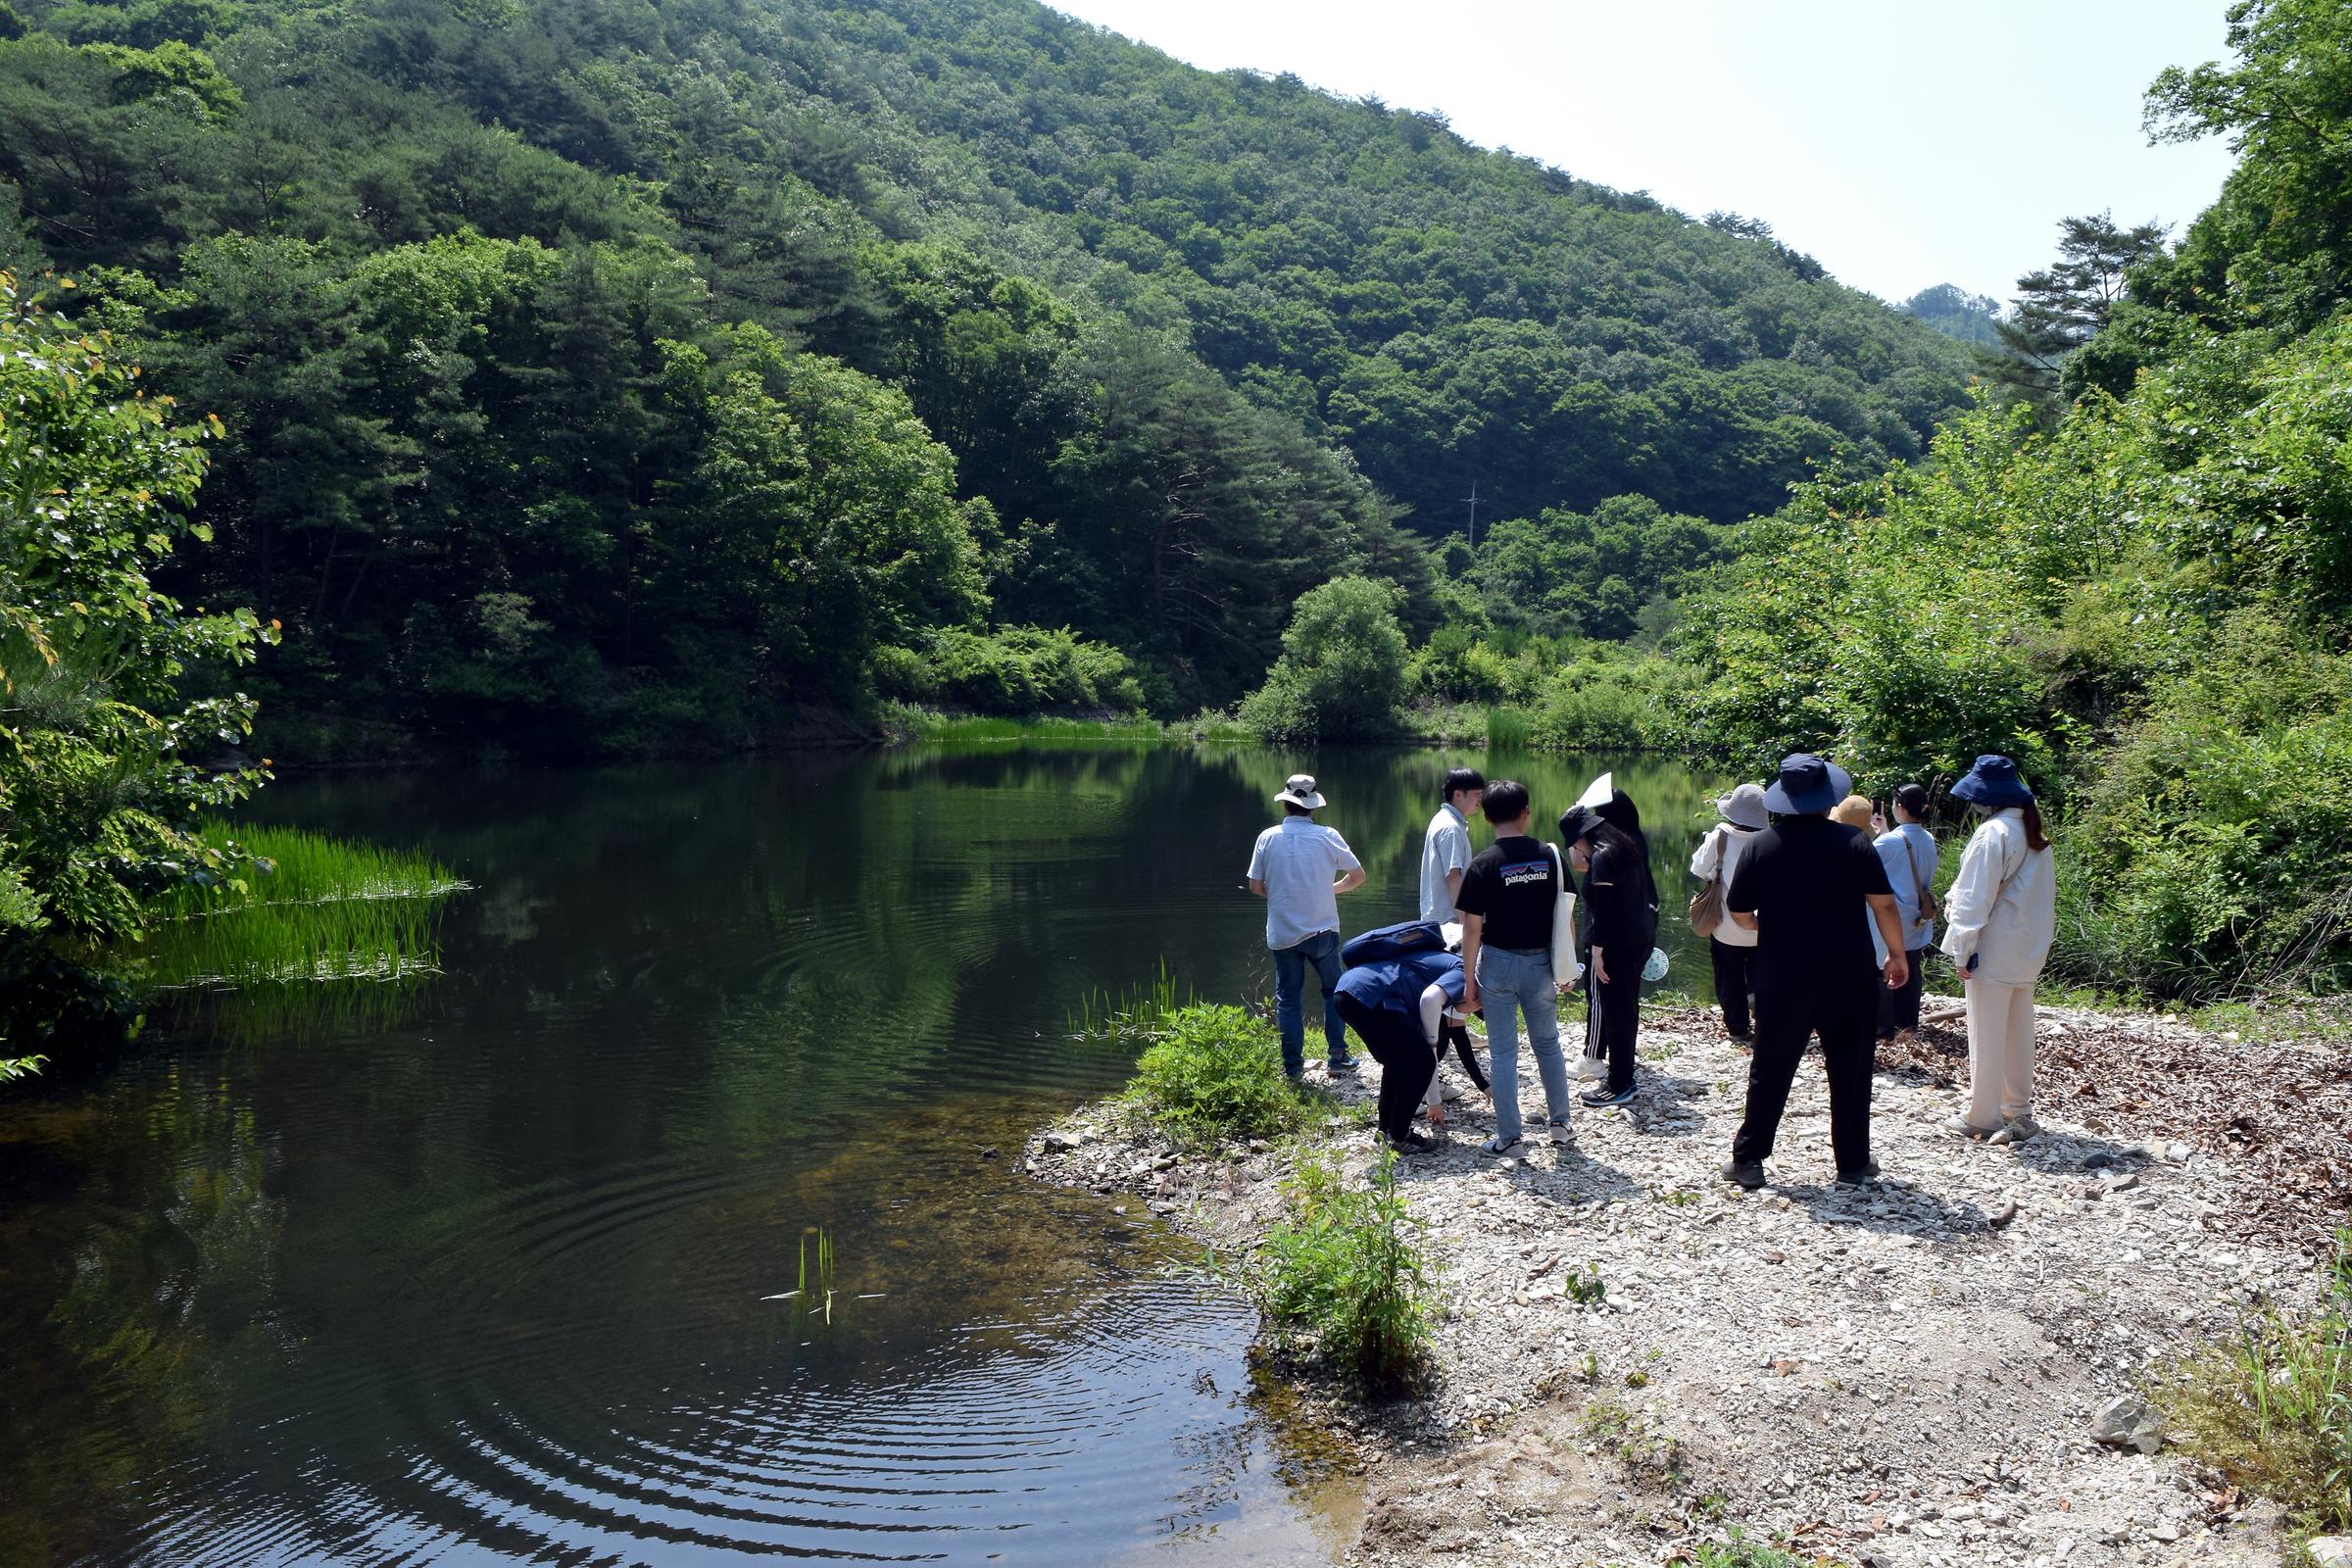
x=488 y=1270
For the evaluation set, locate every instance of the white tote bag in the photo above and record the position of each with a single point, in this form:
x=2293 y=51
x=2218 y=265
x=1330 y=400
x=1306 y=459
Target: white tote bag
x=1564 y=967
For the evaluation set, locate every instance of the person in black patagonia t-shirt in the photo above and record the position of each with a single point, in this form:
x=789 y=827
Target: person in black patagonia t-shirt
x=1506 y=900
x=1808 y=887
x=1620 y=902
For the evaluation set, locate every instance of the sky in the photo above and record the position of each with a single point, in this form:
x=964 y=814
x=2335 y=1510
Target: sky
x=1901 y=143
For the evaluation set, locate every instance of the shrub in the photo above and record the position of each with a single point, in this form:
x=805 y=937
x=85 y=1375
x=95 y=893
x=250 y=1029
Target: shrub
x=1342 y=672
x=1013 y=671
x=1344 y=1271
x=2273 y=1410
x=1214 y=1074
x=2214 y=856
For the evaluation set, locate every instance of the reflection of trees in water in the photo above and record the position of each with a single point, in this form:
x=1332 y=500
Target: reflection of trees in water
x=170 y=1313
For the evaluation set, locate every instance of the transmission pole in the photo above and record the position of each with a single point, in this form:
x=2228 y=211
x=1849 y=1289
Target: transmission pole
x=1473 y=500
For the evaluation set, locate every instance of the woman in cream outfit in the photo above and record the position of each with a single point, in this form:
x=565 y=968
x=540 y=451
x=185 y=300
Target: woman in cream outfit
x=1999 y=915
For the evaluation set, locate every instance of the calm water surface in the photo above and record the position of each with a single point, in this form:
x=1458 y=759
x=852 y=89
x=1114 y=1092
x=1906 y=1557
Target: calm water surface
x=476 y=1273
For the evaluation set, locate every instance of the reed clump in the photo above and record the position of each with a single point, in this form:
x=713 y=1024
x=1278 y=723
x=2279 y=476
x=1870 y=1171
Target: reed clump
x=299 y=907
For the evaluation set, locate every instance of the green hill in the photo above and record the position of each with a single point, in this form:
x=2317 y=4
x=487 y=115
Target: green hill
x=600 y=376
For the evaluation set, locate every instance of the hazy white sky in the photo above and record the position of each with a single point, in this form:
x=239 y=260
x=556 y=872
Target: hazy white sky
x=1899 y=142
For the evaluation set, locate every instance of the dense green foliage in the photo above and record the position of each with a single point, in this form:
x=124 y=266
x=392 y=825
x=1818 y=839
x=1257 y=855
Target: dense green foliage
x=105 y=757
x=605 y=378
x=2149 y=602
x=1344 y=1272
x=1214 y=1074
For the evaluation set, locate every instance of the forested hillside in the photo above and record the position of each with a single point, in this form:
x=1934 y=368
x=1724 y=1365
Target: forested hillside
x=608 y=377
x=2146 y=594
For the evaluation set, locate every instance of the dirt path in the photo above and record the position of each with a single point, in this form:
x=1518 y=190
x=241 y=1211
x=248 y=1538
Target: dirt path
x=1898 y=1374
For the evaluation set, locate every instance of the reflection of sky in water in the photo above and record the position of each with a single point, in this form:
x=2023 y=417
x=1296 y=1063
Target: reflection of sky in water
x=479 y=1276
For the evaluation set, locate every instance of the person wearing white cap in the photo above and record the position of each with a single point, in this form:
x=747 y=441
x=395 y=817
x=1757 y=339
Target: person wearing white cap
x=1300 y=867
x=1730 y=945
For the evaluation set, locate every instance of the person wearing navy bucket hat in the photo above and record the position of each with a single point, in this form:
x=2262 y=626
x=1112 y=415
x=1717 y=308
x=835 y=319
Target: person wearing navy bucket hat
x=1998 y=920
x=1804 y=886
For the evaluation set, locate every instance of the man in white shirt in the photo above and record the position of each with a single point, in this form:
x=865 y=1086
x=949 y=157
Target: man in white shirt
x=1446 y=846
x=1445 y=856
x=1293 y=868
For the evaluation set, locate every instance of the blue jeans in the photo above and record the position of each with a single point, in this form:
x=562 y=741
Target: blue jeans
x=1510 y=984
x=1322 y=949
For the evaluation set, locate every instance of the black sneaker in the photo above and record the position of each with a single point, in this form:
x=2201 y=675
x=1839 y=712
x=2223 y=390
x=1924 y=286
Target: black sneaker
x=1341 y=1067
x=1857 y=1178
x=1603 y=1098
x=1747 y=1173
x=1414 y=1144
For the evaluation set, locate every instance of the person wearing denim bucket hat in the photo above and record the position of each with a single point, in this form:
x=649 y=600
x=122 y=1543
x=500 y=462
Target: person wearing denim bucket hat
x=1804 y=887
x=1998 y=920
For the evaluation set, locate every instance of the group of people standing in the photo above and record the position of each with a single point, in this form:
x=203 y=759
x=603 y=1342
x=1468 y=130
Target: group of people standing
x=1819 y=915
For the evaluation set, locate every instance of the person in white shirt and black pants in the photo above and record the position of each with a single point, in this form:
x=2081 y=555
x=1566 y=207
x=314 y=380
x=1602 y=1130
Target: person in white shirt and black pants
x=2001 y=913
x=1730 y=946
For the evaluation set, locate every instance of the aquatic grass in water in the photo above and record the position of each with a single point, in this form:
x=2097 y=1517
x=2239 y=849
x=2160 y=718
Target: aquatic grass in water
x=301 y=908
x=1137 y=1015
x=811 y=1296
x=294 y=865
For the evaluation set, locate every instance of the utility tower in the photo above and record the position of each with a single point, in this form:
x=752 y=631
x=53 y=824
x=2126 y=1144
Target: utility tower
x=1472 y=497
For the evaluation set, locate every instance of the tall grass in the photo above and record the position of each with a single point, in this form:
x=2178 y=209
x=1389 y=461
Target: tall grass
x=301 y=908
x=1136 y=1015
x=1509 y=729
x=1345 y=1273
x=2272 y=1409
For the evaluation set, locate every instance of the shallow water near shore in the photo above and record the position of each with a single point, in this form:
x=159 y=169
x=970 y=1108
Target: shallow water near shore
x=488 y=1270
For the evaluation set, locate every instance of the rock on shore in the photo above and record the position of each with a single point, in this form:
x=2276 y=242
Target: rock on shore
x=1906 y=1373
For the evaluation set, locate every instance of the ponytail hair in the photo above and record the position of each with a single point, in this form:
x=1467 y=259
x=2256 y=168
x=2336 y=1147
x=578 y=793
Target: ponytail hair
x=2036 y=839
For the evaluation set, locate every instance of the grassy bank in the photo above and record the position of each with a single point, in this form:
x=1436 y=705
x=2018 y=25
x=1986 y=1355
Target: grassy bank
x=1494 y=728
x=906 y=724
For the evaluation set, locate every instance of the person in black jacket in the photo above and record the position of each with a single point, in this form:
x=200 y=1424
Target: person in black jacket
x=1621 y=905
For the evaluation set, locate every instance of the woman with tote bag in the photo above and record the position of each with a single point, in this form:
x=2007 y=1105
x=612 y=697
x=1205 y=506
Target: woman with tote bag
x=1621 y=898
x=2001 y=913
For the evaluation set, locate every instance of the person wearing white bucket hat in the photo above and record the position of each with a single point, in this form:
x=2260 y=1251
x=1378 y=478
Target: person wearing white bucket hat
x=1293 y=867
x=1730 y=946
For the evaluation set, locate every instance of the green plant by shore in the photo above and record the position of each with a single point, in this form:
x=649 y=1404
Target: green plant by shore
x=1345 y=1274
x=2272 y=1409
x=1213 y=1074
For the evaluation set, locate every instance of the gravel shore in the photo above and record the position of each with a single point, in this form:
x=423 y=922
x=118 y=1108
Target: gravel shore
x=1902 y=1373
